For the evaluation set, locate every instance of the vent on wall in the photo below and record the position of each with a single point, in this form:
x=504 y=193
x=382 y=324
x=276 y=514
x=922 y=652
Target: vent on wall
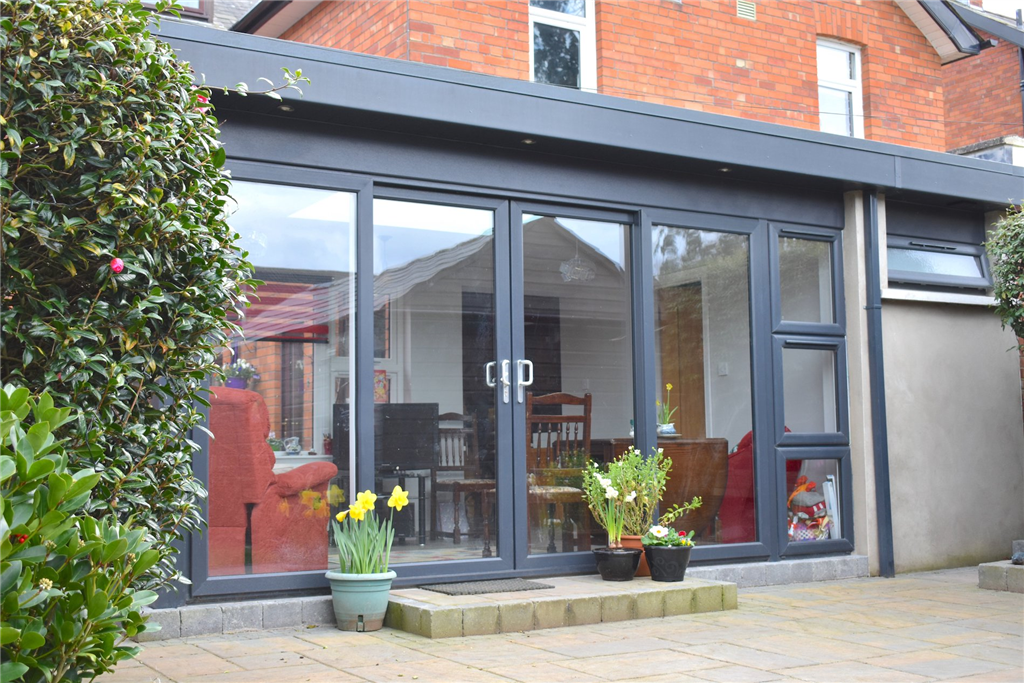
x=746 y=9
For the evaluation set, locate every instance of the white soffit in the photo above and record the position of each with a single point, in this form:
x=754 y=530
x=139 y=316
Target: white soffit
x=289 y=15
x=934 y=33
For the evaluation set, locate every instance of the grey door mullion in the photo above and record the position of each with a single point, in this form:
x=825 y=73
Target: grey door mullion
x=762 y=386
x=517 y=412
x=644 y=420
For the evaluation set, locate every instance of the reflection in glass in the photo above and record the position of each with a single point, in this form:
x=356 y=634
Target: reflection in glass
x=576 y=8
x=434 y=415
x=836 y=64
x=279 y=459
x=701 y=294
x=921 y=261
x=805 y=280
x=577 y=334
x=813 y=500
x=809 y=390
x=835 y=109
x=556 y=55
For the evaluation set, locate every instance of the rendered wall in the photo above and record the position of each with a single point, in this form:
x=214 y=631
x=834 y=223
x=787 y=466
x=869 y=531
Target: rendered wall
x=956 y=439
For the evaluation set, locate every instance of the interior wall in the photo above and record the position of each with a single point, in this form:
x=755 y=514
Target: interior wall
x=956 y=439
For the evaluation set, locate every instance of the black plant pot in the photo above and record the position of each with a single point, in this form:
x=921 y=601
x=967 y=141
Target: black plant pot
x=617 y=564
x=668 y=563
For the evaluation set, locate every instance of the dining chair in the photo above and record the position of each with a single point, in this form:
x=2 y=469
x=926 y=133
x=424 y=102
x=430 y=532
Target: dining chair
x=459 y=454
x=557 y=448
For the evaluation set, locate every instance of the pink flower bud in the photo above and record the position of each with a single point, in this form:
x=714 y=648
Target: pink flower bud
x=116 y=265
x=202 y=100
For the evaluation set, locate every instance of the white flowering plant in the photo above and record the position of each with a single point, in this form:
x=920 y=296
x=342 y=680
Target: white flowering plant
x=608 y=500
x=665 y=536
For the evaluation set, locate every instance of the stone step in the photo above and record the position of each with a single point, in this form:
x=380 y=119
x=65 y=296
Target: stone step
x=1001 y=576
x=574 y=601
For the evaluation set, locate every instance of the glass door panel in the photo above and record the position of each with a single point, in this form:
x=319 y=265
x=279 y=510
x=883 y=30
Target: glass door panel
x=575 y=379
x=702 y=341
x=434 y=401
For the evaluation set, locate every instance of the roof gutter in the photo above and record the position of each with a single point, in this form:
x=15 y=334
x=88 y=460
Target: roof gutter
x=259 y=15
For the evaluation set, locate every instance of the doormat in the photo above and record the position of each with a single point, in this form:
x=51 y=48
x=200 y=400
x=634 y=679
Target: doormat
x=480 y=587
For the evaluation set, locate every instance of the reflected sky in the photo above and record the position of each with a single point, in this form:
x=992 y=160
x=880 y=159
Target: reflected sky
x=606 y=238
x=406 y=231
x=293 y=227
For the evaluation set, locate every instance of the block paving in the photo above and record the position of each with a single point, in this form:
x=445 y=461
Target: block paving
x=917 y=627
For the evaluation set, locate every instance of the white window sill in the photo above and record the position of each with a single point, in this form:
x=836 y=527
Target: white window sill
x=937 y=297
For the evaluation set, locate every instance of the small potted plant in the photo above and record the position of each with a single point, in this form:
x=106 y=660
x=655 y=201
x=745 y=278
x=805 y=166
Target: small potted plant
x=667 y=550
x=608 y=504
x=665 y=413
x=361 y=586
x=239 y=374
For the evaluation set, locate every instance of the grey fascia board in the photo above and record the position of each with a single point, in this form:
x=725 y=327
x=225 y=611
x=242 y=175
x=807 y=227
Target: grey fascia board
x=989 y=25
x=345 y=80
x=966 y=40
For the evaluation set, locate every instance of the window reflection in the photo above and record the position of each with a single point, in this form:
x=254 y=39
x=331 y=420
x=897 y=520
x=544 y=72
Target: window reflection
x=281 y=424
x=556 y=55
x=813 y=501
x=809 y=390
x=805 y=279
x=701 y=295
x=576 y=8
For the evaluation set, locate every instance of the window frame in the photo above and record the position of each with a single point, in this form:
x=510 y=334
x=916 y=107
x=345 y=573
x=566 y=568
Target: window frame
x=586 y=26
x=854 y=86
x=203 y=13
x=909 y=277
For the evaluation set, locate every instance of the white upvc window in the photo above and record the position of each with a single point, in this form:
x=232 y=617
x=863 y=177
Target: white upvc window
x=563 y=43
x=840 y=94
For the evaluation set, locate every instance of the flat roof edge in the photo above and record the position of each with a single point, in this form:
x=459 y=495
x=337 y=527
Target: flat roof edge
x=345 y=80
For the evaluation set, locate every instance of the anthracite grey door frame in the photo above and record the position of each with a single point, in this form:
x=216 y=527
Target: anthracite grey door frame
x=205 y=586
x=502 y=562
x=508 y=208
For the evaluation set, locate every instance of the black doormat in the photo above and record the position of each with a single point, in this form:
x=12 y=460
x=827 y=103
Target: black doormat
x=480 y=587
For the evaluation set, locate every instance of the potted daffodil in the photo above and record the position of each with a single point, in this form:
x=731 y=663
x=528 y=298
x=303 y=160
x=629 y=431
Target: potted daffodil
x=361 y=586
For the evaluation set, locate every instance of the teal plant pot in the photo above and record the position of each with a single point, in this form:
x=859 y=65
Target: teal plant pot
x=360 y=600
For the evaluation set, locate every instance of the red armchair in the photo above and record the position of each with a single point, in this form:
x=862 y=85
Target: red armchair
x=736 y=515
x=285 y=516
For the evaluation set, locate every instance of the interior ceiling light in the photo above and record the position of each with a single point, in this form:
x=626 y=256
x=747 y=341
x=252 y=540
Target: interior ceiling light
x=529 y=141
x=577 y=269
x=286 y=107
x=724 y=169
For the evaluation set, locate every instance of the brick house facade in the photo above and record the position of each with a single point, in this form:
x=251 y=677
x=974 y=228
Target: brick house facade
x=697 y=55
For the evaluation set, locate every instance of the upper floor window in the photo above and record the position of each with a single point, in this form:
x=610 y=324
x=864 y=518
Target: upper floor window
x=191 y=9
x=563 y=51
x=840 y=97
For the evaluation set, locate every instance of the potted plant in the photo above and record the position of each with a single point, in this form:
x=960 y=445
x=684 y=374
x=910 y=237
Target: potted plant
x=631 y=471
x=608 y=504
x=361 y=586
x=239 y=374
x=668 y=551
x=665 y=412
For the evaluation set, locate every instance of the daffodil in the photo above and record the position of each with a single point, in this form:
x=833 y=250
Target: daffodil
x=399 y=498
x=335 y=495
x=610 y=493
x=631 y=497
x=341 y=515
x=366 y=500
x=357 y=512
x=668 y=387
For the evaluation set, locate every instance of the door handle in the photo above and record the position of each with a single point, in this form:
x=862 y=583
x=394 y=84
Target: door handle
x=489 y=374
x=523 y=383
x=506 y=382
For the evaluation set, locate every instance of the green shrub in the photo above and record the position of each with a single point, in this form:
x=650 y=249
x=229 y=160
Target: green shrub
x=65 y=577
x=108 y=153
x=1006 y=255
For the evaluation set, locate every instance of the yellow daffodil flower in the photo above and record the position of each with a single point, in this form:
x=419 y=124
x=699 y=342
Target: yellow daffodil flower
x=357 y=512
x=668 y=386
x=341 y=515
x=366 y=500
x=335 y=495
x=399 y=499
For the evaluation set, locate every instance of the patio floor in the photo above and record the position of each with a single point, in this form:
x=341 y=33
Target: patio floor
x=916 y=627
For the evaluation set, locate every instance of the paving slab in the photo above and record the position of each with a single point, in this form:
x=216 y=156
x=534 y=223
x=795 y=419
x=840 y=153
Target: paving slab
x=912 y=628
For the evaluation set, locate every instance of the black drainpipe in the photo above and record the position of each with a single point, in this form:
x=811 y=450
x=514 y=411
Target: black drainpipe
x=1020 y=58
x=876 y=376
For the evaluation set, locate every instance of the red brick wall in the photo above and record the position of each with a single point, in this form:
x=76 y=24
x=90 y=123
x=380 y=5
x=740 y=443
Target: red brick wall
x=696 y=54
x=700 y=55
x=983 y=96
x=485 y=37
x=373 y=27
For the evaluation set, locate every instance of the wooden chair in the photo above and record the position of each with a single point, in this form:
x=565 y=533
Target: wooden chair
x=459 y=452
x=556 y=448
